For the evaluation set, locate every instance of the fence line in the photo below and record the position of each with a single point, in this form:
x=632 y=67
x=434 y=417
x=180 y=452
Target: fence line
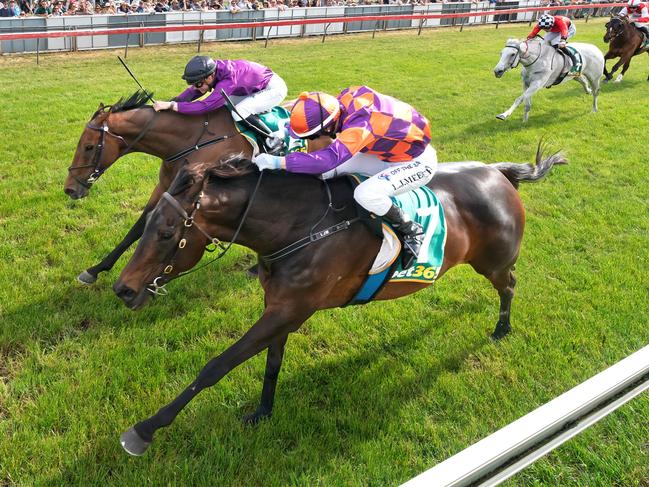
x=510 y=449
x=310 y=24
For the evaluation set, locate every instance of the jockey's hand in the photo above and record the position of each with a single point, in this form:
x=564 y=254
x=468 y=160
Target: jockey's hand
x=267 y=161
x=164 y=105
x=562 y=44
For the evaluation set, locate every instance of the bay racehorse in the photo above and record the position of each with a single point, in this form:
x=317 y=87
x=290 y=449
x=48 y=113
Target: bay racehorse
x=132 y=126
x=624 y=41
x=281 y=214
x=542 y=66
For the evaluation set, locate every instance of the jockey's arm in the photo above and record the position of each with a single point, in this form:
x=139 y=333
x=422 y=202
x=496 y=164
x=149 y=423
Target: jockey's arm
x=623 y=13
x=534 y=32
x=190 y=94
x=350 y=141
x=563 y=28
x=213 y=101
x=644 y=15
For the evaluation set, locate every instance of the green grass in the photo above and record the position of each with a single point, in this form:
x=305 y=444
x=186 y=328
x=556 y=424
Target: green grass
x=368 y=395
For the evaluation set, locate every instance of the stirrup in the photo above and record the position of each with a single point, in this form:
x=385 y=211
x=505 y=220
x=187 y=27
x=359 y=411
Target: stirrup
x=273 y=145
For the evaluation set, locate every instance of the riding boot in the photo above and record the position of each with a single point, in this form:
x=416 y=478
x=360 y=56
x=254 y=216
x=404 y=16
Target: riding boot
x=576 y=65
x=272 y=143
x=412 y=233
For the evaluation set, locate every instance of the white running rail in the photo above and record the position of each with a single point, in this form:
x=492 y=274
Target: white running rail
x=510 y=449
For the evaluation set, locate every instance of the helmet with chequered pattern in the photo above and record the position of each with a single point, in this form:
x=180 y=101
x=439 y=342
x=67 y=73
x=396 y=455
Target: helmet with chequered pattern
x=313 y=112
x=546 y=21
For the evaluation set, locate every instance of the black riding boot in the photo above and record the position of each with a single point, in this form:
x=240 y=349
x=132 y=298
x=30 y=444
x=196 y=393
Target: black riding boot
x=412 y=232
x=576 y=65
x=272 y=145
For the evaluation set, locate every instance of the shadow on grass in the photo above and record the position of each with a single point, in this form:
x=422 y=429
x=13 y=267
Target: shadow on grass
x=359 y=398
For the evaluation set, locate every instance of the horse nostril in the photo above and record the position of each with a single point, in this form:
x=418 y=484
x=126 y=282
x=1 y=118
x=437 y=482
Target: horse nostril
x=124 y=292
x=70 y=192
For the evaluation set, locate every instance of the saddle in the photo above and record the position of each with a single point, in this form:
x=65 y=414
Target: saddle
x=569 y=68
x=644 y=32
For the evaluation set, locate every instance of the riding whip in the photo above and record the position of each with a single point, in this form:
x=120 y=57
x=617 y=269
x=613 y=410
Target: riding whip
x=135 y=79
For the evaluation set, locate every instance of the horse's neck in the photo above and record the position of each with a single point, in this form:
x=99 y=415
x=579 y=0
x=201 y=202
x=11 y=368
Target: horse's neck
x=285 y=208
x=166 y=134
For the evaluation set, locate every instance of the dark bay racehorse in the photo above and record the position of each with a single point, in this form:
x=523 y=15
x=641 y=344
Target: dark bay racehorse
x=625 y=41
x=132 y=126
x=270 y=211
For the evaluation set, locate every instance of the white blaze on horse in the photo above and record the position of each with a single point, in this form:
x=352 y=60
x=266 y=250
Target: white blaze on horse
x=543 y=65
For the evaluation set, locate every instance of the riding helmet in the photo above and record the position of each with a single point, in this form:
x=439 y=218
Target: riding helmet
x=546 y=21
x=313 y=112
x=198 y=68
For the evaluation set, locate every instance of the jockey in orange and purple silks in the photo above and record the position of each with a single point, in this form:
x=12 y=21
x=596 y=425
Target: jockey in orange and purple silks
x=375 y=135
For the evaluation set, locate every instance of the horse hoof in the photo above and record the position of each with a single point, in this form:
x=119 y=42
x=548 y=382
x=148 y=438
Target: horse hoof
x=254 y=418
x=253 y=272
x=500 y=117
x=501 y=331
x=132 y=443
x=86 y=278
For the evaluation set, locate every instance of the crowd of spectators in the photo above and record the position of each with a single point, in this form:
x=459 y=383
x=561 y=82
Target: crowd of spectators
x=53 y=8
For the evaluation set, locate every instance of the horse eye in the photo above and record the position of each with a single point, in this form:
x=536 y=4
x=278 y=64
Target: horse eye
x=165 y=234
x=89 y=147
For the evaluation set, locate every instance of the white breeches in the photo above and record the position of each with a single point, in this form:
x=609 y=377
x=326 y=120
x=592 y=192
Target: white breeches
x=263 y=100
x=386 y=178
x=553 y=38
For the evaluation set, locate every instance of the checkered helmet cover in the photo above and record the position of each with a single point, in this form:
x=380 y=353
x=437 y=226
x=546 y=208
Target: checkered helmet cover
x=546 y=21
x=313 y=112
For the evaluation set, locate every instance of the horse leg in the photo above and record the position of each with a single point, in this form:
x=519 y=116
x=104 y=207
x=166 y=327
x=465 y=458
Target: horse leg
x=90 y=275
x=275 y=323
x=274 y=359
x=624 y=68
x=615 y=68
x=504 y=282
x=584 y=82
x=608 y=76
x=526 y=96
x=595 y=84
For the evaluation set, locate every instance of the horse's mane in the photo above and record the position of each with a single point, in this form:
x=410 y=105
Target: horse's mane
x=234 y=166
x=138 y=99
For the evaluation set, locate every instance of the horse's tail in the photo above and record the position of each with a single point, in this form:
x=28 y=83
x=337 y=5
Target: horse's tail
x=517 y=172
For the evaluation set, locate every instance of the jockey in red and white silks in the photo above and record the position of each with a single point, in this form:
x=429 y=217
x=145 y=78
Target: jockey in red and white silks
x=559 y=28
x=637 y=10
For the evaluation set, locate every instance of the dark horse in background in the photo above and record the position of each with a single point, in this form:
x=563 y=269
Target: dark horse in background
x=625 y=41
x=269 y=211
x=132 y=126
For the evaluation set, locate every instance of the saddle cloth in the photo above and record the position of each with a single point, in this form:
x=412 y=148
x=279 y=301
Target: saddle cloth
x=274 y=119
x=568 y=68
x=422 y=206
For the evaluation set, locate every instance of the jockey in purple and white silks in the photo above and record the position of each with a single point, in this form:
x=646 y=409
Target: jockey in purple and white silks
x=375 y=135
x=252 y=87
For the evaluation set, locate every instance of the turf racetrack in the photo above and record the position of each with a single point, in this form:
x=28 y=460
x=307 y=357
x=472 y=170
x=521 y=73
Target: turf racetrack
x=368 y=395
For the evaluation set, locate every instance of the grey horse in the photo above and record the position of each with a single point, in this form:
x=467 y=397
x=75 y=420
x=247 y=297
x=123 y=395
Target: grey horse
x=542 y=65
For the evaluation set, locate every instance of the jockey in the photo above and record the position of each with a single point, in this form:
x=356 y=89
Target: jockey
x=252 y=87
x=377 y=136
x=639 y=13
x=560 y=29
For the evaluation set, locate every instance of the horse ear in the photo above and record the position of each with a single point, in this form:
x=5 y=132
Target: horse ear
x=100 y=108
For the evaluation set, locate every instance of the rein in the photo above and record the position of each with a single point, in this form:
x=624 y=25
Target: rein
x=159 y=283
x=157 y=287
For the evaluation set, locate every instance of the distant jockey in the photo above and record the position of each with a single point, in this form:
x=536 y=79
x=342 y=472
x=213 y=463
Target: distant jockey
x=375 y=135
x=560 y=29
x=252 y=87
x=639 y=13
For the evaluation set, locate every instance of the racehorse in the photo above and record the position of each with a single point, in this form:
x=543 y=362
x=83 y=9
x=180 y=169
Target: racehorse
x=133 y=126
x=542 y=66
x=313 y=252
x=624 y=41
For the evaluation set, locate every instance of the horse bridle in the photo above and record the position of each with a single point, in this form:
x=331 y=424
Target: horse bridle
x=159 y=283
x=619 y=33
x=96 y=160
x=158 y=286
x=521 y=54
